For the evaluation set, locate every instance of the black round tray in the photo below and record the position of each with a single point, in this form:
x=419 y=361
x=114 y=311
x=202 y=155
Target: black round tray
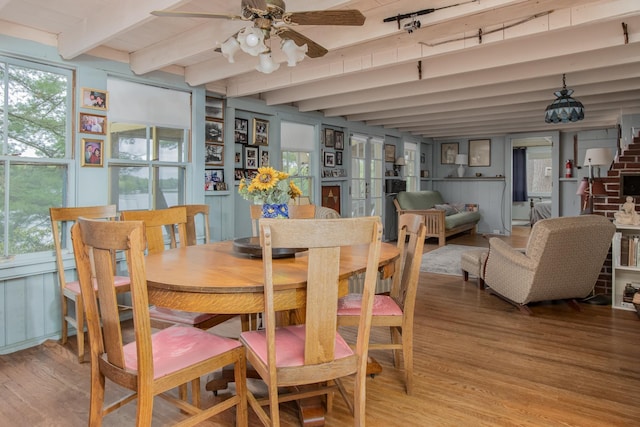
x=251 y=246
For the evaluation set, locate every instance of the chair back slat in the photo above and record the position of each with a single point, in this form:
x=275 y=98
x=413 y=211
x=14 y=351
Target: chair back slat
x=193 y=211
x=405 y=284
x=155 y=221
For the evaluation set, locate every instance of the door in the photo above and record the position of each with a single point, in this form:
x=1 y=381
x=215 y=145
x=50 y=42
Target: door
x=367 y=166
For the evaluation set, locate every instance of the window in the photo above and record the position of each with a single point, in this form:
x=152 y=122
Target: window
x=296 y=146
x=147 y=167
x=149 y=143
x=411 y=166
x=35 y=124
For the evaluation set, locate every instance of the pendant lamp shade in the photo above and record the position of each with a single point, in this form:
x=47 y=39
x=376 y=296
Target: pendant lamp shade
x=564 y=109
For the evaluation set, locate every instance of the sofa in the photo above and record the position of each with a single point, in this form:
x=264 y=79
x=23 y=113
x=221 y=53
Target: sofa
x=442 y=219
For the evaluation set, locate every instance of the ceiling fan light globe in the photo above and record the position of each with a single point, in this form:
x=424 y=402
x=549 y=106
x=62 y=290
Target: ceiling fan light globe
x=293 y=52
x=229 y=49
x=267 y=66
x=251 y=41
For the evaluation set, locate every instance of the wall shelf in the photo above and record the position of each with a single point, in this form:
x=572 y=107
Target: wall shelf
x=471 y=178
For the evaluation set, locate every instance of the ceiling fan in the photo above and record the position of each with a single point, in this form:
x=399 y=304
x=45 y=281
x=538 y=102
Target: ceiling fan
x=270 y=18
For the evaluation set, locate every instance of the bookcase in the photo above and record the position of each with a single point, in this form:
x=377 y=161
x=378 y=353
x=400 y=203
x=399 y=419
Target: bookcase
x=625 y=263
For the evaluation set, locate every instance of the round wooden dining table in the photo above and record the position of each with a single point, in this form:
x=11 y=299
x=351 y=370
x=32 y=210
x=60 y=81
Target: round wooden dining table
x=214 y=278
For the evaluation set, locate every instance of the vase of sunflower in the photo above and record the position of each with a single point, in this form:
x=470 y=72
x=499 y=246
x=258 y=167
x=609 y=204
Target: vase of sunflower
x=271 y=189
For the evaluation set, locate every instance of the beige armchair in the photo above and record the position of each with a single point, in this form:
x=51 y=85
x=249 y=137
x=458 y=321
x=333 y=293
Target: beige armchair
x=562 y=261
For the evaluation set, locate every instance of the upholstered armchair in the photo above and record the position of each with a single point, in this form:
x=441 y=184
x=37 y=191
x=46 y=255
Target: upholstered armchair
x=562 y=261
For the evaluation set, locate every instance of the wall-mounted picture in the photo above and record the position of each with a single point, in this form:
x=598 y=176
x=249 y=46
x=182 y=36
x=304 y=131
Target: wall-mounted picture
x=389 y=153
x=250 y=157
x=338 y=158
x=260 y=132
x=90 y=123
x=93 y=151
x=95 y=98
x=264 y=158
x=329 y=159
x=329 y=138
x=212 y=179
x=480 y=152
x=238 y=174
x=241 y=131
x=214 y=108
x=213 y=131
x=339 y=140
x=448 y=152
x=214 y=154
x=238 y=156
x=423 y=158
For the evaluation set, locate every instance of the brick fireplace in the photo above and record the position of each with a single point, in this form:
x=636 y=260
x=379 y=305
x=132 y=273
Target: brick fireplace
x=607 y=205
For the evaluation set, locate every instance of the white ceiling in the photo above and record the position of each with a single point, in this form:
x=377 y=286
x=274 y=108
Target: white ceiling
x=439 y=81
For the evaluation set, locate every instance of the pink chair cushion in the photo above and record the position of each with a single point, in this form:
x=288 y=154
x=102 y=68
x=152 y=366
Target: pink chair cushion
x=178 y=316
x=383 y=305
x=177 y=347
x=117 y=280
x=289 y=345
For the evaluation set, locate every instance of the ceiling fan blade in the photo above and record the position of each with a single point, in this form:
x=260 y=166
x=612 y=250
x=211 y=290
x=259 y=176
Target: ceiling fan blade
x=326 y=17
x=314 y=49
x=255 y=4
x=178 y=14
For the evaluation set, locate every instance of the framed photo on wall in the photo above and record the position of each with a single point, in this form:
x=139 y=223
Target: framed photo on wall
x=213 y=178
x=339 y=140
x=97 y=99
x=338 y=158
x=264 y=157
x=479 y=152
x=214 y=154
x=329 y=159
x=329 y=138
x=93 y=151
x=251 y=158
x=241 y=131
x=448 y=153
x=213 y=108
x=213 y=131
x=389 y=153
x=91 y=123
x=260 y=132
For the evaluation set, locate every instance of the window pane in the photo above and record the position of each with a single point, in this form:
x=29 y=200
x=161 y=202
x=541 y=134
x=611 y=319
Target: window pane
x=171 y=145
x=133 y=187
x=37 y=112
x=33 y=189
x=128 y=141
x=170 y=185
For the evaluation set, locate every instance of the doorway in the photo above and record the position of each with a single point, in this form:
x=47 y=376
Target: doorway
x=367 y=164
x=532 y=179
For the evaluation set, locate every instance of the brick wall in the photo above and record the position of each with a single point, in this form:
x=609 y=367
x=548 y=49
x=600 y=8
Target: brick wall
x=607 y=205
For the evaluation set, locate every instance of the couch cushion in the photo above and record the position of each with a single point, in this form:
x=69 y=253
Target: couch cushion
x=461 y=218
x=417 y=200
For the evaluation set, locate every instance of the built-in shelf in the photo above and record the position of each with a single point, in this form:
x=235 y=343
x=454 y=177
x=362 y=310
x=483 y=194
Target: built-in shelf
x=217 y=193
x=569 y=179
x=471 y=178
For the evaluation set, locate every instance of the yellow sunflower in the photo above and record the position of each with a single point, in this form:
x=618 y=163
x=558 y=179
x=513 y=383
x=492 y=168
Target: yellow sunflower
x=294 y=191
x=266 y=179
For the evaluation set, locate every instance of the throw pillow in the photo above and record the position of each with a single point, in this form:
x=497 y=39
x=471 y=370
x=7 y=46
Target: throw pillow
x=448 y=209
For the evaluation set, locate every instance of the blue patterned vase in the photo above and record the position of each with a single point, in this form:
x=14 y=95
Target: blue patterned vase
x=275 y=210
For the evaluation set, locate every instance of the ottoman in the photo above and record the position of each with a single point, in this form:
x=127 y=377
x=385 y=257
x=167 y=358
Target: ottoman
x=472 y=263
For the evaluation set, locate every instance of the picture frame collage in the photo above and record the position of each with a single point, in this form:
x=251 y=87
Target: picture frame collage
x=251 y=147
x=214 y=145
x=94 y=124
x=332 y=153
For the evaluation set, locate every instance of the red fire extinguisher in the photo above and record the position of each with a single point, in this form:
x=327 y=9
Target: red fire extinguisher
x=568 y=167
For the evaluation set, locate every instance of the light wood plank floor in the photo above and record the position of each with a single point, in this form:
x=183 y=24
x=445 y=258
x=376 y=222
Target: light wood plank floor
x=479 y=362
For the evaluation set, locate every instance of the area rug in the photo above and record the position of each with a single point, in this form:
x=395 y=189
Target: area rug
x=444 y=260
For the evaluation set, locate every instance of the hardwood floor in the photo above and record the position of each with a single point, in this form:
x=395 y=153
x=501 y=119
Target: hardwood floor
x=479 y=362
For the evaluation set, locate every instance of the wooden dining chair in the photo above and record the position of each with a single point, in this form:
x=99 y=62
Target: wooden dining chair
x=154 y=363
x=157 y=224
x=193 y=211
x=313 y=354
x=61 y=221
x=295 y=212
x=395 y=310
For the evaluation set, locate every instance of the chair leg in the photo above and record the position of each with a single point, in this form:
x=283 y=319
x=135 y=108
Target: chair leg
x=144 y=412
x=65 y=326
x=96 y=402
x=574 y=304
x=80 y=328
x=465 y=275
x=240 y=372
x=407 y=356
